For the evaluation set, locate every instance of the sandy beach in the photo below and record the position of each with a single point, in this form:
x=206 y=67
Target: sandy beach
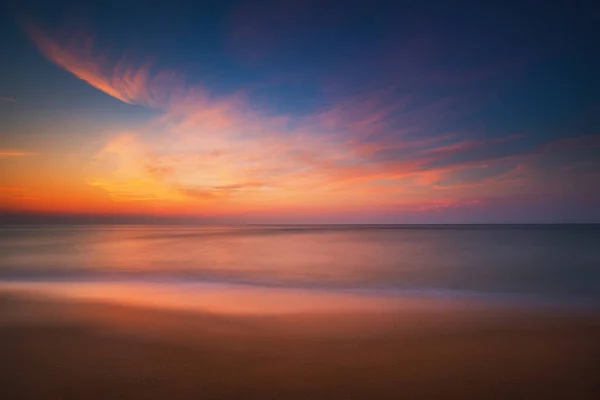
x=57 y=349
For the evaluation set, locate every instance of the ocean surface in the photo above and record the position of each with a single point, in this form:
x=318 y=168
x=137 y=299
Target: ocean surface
x=539 y=263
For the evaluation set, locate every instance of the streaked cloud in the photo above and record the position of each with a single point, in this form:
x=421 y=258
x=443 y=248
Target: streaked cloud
x=126 y=81
x=8 y=99
x=390 y=147
x=6 y=153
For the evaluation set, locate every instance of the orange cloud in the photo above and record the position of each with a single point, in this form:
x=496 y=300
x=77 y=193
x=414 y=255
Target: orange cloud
x=222 y=156
x=14 y=153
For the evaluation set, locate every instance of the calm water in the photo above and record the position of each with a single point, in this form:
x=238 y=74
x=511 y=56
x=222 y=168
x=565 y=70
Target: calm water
x=552 y=262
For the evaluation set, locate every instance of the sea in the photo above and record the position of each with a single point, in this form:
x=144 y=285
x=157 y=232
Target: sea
x=262 y=268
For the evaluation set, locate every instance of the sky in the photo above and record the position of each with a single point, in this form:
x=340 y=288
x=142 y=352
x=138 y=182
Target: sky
x=301 y=111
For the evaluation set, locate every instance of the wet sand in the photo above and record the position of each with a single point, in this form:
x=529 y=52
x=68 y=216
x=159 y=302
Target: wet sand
x=52 y=349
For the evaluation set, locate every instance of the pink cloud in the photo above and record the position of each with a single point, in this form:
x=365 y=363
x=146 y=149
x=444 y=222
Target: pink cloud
x=121 y=80
x=364 y=151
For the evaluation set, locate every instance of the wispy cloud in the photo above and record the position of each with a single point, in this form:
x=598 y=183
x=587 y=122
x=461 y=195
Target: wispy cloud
x=373 y=149
x=123 y=80
x=5 y=153
x=8 y=99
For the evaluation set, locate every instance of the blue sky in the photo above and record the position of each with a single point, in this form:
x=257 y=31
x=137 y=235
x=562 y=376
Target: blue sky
x=309 y=111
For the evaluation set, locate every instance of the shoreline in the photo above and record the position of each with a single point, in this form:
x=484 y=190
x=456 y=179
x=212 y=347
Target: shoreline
x=257 y=297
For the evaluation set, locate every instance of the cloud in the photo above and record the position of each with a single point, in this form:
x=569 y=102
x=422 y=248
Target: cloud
x=8 y=99
x=6 y=153
x=126 y=81
x=224 y=156
x=378 y=148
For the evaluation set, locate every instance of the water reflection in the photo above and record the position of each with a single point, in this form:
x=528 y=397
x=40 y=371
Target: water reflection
x=551 y=262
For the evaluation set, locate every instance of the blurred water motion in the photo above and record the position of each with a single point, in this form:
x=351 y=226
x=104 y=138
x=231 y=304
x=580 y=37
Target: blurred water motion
x=182 y=264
